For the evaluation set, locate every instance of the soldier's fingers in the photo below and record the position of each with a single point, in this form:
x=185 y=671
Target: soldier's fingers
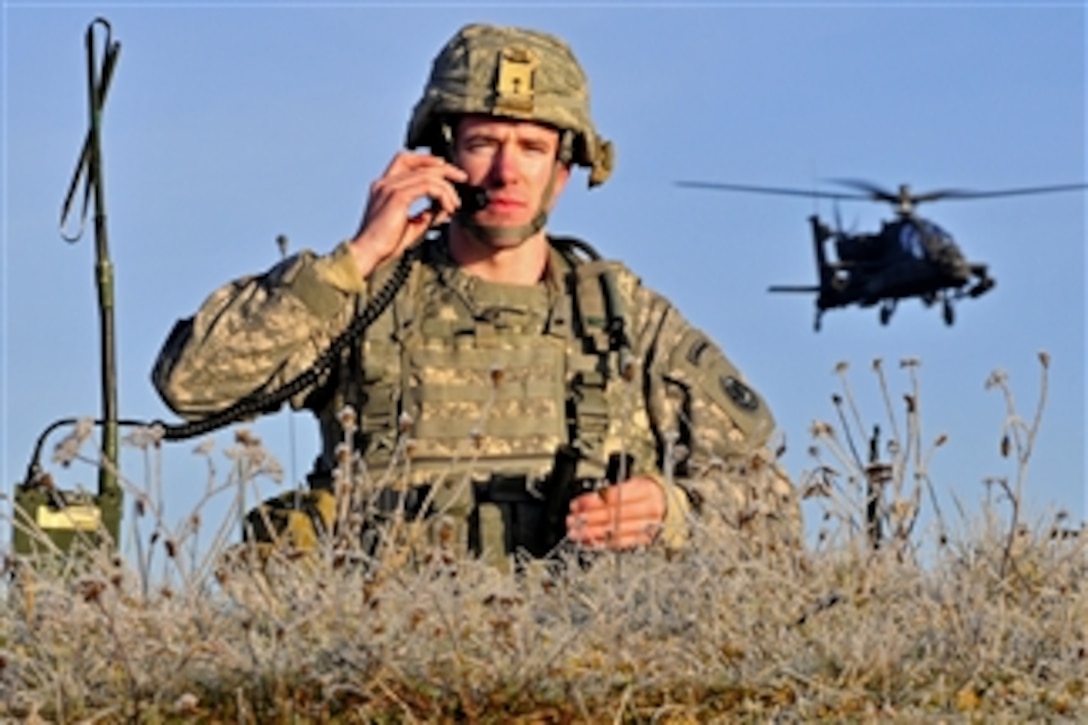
x=632 y=537
x=623 y=535
x=643 y=532
x=619 y=517
x=638 y=493
x=409 y=161
x=407 y=169
x=589 y=529
x=389 y=224
x=419 y=223
x=403 y=191
x=632 y=491
x=591 y=504
x=600 y=512
x=601 y=499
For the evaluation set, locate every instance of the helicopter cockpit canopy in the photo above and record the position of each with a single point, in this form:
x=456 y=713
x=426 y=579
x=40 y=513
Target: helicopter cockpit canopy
x=921 y=237
x=912 y=241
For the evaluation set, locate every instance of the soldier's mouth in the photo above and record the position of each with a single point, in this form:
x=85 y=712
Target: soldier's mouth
x=500 y=203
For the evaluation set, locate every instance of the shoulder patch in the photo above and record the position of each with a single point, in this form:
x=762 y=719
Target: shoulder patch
x=700 y=364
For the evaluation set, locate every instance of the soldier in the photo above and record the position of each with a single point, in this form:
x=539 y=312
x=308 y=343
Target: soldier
x=512 y=369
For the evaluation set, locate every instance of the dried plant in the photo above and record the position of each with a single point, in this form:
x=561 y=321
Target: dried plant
x=878 y=619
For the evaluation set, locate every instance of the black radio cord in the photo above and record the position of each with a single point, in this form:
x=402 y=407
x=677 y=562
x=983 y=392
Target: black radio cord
x=262 y=401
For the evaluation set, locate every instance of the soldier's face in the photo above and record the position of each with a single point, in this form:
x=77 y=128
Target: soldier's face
x=514 y=161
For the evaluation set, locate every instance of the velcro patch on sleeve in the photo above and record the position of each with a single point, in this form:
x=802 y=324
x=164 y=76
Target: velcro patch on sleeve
x=700 y=364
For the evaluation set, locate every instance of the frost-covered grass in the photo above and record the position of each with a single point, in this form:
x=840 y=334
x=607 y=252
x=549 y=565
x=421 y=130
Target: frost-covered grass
x=984 y=617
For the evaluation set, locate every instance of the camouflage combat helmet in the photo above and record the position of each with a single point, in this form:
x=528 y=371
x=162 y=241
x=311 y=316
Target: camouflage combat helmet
x=513 y=73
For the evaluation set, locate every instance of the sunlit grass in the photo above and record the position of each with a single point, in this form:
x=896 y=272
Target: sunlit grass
x=979 y=616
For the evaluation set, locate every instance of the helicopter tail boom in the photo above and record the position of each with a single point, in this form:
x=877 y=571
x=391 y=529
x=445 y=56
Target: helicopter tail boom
x=793 y=288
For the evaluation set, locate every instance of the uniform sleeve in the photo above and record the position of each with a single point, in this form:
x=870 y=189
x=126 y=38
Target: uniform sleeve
x=256 y=333
x=713 y=427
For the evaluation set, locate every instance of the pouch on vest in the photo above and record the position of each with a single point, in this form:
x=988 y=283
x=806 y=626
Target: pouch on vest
x=296 y=520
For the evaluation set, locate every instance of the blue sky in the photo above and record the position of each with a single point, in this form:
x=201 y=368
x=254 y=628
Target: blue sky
x=228 y=125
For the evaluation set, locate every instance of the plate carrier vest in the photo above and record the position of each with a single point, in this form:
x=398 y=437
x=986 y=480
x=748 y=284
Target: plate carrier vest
x=468 y=390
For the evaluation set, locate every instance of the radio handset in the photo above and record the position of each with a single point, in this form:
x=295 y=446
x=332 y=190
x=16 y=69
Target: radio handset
x=473 y=198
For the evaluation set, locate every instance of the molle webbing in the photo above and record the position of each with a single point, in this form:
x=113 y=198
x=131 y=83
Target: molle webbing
x=589 y=404
x=502 y=407
x=463 y=369
x=382 y=374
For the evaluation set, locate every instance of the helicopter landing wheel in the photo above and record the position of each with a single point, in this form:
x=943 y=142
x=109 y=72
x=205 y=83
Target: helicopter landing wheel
x=886 y=311
x=948 y=312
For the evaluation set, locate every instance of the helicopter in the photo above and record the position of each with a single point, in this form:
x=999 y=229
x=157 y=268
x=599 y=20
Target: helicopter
x=909 y=257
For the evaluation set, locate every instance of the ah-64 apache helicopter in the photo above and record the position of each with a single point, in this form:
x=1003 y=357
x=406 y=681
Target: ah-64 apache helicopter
x=909 y=257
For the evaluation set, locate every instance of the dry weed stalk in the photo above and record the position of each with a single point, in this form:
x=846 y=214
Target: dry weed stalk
x=879 y=494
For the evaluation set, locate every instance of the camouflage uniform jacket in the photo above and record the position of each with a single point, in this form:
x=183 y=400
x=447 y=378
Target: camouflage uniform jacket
x=689 y=418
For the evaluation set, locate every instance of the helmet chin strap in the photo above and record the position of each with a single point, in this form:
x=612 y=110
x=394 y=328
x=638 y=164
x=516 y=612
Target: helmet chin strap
x=508 y=237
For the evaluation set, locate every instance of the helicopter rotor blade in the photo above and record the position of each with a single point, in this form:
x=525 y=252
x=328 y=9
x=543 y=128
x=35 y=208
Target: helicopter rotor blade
x=969 y=194
x=903 y=199
x=769 y=190
x=872 y=191
x=904 y=196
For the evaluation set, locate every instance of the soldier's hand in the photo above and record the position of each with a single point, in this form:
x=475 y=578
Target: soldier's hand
x=388 y=226
x=622 y=516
